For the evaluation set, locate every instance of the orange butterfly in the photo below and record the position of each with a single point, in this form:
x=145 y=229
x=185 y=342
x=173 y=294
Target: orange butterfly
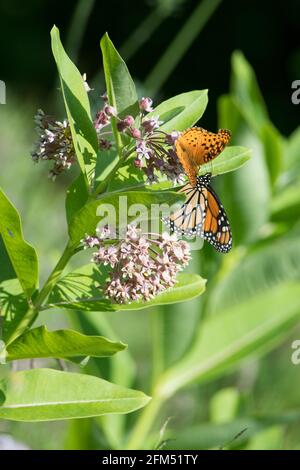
x=202 y=214
x=196 y=146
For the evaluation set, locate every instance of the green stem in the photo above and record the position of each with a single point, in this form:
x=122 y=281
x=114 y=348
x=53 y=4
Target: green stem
x=180 y=45
x=33 y=311
x=54 y=276
x=138 y=438
x=157 y=345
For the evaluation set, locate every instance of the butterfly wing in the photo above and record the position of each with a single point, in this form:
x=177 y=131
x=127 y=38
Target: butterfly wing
x=202 y=215
x=188 y=220
x=216 y=228
x=197 y=146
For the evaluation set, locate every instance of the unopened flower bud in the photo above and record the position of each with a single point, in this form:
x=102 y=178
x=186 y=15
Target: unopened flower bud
x=128 y=120
x=101 y=120
x=150 y=124
x=121 y=126
x=137 y=163
x=146 y=104
x=110 y=110
x=136 y=134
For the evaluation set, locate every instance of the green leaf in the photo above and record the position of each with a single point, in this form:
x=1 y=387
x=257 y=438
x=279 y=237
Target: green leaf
x=292 y=153
x=120 y=87
x=286 y=204
x=247 y=97
x=7 y=270
x=13 y=304
x=269 y=439
x=273 y=149
x=46 y=394
x=39 y=342
x=86 y=219
x=230 y=159
x=77 y=196
x=78 y=108
x=224 y=405
x=188 y=287
x=181 y=111
x=22 y=255
x=246 y=92
x=238 y=332
x=231 y=434
x=244 y=191
x=128 y=176
x=82 y=290
x=255 y=273
x=122 y=372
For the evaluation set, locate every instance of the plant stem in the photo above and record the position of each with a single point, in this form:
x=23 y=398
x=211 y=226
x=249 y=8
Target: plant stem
x=157 y=345
x=54 y=276
x=33 y=311
x=138 y=438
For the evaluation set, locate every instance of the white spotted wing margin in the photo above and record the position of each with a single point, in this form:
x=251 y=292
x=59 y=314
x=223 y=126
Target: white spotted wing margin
x=202 y=215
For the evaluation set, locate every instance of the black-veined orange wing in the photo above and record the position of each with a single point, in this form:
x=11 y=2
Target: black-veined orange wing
x=202 y=215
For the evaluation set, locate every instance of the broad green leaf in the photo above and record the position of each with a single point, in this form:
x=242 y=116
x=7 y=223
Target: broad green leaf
x=292 y=153
x=39 y=342
x=247 y=97
x=244 y=191
x=14 y=305
x=106 y=162
x=273 y=149
x=230 y=159
x=128 y=176
x=229 y=114
x=223 y=406
x=224 y=435
x=82 y=290
x=77 y=106
x=76 y=197
x=255 y=273
x=181 y=111
x=47 y=394
x=286 y=204
x=245 y=90
x=120 y=87
x=86 y=219
x=122 y=371
x=268 y=439
x=22 y=255
x=7 y=270
x=235 y=333
x=188 y=287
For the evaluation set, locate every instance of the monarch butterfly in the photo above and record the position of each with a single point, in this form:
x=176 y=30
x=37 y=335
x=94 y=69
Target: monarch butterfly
x=203 y=215
x=196 y=146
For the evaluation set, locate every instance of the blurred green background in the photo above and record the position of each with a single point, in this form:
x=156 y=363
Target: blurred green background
x=172 y=47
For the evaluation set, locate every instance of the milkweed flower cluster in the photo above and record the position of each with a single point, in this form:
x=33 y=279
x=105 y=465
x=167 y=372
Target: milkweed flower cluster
x=155 y=151
x=142 y=265
x=154 y=148
x=55 y=143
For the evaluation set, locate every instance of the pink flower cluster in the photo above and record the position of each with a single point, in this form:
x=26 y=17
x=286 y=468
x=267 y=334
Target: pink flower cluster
x=54 y=143
x=154 y=148
x=142 y=265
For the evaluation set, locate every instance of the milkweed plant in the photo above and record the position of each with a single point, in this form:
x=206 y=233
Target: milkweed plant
x=127 y=174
